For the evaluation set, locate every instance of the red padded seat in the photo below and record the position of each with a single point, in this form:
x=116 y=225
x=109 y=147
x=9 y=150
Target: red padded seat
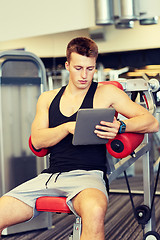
x=52 y=204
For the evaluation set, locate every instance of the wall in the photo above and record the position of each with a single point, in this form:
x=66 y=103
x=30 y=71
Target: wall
x=54 y=45
x=140 y=37
x=60 y=21
x=28 y=18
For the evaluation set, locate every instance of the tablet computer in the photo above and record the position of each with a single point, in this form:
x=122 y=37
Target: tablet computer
x=86 y=121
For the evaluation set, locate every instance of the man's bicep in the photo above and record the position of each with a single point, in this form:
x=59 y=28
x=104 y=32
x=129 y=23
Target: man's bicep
x=41 y=120
x=41 y=117
x=127 y=107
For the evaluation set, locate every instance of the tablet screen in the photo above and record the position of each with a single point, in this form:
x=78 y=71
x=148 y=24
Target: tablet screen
x=86 y=121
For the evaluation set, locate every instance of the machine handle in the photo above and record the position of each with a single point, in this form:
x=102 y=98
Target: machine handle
x=38 y=152
x=124 y=144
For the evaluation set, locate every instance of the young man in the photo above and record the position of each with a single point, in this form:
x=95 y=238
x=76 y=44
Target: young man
x=77 y=172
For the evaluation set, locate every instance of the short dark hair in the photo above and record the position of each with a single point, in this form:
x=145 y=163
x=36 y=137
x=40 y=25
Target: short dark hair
x=83 y=46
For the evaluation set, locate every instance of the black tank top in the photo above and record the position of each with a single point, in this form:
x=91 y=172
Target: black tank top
x=64 y=156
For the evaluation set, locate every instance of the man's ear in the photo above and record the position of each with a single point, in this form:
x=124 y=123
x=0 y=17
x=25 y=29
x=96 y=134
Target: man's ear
x=67 y=65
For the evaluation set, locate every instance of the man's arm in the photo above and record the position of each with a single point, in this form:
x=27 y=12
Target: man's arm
x=138 y=120
x=43 y=136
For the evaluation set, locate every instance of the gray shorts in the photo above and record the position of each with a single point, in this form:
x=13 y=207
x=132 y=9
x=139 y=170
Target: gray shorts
x=67 y=184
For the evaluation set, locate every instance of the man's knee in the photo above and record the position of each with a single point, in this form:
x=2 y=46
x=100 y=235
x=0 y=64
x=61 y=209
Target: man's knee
x=91 y=202
x=95 y=210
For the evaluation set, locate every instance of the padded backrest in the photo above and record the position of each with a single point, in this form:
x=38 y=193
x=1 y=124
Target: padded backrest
x=115 y=83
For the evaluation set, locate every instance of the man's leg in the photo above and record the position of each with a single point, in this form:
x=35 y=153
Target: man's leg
x=13 y=211
x=91 y=205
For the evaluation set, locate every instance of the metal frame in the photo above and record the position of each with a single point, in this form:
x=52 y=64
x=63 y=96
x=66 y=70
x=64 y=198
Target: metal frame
x=148 y=175
x=76 y=230
x=24 y=55
x=44 y=220
x=131 y=85
x=18 y=55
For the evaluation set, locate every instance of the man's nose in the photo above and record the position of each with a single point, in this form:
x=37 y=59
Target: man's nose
x=84 y=73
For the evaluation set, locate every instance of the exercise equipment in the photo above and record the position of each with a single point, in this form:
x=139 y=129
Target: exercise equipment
x=22 y=79
x=143 y=213
x=124 y=144
x=151 y=235
x=38 y=152
x=58 y=205
x=140 y=86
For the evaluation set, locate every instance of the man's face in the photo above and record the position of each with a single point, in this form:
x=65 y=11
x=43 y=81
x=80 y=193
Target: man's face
x=81 y=69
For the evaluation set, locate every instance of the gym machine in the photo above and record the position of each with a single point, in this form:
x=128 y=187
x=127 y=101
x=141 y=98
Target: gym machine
x=144 y=214
x=22 y=79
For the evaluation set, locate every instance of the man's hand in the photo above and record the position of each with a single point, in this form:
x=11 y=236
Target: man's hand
x=107 y=129
x=70 y=127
